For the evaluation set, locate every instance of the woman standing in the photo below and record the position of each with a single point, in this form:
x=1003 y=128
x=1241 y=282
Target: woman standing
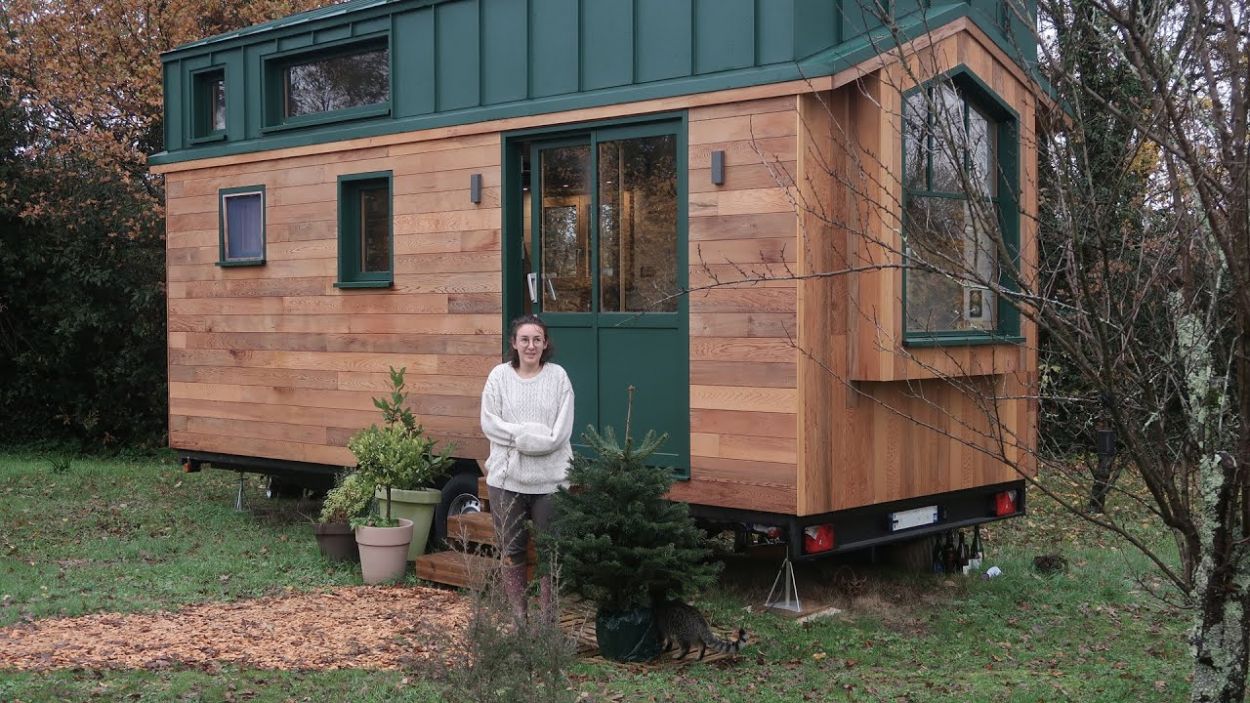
x=527 y=414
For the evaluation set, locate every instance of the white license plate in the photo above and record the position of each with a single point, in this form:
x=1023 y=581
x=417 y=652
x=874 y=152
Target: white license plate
x=907 y=519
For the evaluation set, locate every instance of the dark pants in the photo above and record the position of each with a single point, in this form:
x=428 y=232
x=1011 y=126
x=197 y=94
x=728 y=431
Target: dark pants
x=511 y=512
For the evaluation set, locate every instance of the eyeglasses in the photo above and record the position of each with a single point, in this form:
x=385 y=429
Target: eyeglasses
x=529 y=341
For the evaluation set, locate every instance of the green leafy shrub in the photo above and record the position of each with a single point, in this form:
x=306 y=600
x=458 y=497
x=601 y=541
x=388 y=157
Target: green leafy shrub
x=350 y=498
x=398 y=454
x=620 y=543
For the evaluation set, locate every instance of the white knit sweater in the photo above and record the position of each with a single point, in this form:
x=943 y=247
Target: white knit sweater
x=528 y=422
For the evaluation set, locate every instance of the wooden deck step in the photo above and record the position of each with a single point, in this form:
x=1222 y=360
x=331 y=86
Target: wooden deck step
x=459 y=569
x=471 y=528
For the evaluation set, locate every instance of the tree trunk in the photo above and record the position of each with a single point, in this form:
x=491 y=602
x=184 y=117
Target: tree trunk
x=1220 y=640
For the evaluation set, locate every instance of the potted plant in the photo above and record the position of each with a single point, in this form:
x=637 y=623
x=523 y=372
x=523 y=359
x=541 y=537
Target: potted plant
x=622 y=546
x=412 y=498
x=351 y=497
x=398 y=454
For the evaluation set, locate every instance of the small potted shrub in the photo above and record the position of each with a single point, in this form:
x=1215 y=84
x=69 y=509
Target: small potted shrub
x=350 y=498
x=622 y=546
x=412 y=498
x=391 y=457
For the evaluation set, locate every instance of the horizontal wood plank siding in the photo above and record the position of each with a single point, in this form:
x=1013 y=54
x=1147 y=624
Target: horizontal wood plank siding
x=275 y=361
x=743 y=395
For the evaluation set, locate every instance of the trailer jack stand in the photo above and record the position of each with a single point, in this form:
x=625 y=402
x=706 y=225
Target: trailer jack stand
x=238 y=499
x=788 y=598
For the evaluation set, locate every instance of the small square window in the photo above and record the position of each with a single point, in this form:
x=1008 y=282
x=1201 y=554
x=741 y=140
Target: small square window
x=242 y=226
x=209 y=104
x=365 y=231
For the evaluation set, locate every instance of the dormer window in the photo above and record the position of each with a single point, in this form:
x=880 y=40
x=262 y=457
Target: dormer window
x=209 y=104
x=340 y=83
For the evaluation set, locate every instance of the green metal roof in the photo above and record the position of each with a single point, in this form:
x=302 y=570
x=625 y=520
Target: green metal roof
x=336 y=10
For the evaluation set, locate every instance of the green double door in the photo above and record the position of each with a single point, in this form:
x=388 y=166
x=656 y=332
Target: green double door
x=602 y=235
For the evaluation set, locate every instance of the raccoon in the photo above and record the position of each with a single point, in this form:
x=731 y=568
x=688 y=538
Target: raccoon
x=680 y=624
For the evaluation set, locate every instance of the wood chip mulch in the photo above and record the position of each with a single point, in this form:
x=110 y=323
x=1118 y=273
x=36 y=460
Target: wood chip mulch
x=360 y=628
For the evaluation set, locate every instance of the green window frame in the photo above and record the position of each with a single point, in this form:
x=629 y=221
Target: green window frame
x=960 y=179
x=208 y=105
x=276 y=77
x=361 y=196
x=235 y=209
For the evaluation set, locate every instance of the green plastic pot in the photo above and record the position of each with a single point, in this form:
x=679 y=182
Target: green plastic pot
x=416 y=505
x=627 y=635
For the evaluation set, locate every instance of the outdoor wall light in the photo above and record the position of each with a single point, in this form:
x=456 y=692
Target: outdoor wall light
x=718 y=168
x=475 y=188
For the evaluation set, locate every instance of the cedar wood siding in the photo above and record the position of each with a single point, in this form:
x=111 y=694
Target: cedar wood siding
x=274 y=361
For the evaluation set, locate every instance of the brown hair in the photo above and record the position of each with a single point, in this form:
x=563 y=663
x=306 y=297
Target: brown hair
x=513 y=357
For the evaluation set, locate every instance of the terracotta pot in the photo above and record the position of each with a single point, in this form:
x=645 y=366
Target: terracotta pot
x=417 y=505
x=337 y=541
x=384 y=551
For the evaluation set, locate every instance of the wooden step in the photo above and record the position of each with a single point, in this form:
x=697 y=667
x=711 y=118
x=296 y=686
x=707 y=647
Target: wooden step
x=471 y=528
x=460 y=569
x=474 y=529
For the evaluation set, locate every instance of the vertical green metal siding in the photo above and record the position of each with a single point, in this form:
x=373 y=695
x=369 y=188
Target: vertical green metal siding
x=175 y=106
x=553 y=47
x=508 y=76
x=607 y=50
x=236 y=93
x=855 y=19
x=724 y=35
x=414 y=89
x=774 y=29
x=252 y=65
x=457 y=73
x=664 y=39
x=815 y=25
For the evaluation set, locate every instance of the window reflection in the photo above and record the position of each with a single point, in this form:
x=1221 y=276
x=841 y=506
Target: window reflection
x=337 y=83
x=375 y=233
x=638 y=225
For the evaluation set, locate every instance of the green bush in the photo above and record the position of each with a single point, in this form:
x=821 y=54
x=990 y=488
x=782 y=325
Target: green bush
x=398 y=454
x=350 y=498
x=620 y=543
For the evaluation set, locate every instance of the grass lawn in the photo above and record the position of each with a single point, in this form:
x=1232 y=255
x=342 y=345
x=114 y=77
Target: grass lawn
x=139 y=535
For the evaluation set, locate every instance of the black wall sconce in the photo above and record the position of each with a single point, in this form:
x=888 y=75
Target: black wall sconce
x=718 y=168
x=475 y=188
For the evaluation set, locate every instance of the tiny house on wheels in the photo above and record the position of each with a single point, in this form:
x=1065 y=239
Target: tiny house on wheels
x=385 y=183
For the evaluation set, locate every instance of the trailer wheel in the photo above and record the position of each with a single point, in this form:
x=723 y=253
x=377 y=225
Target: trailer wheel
x=278 y=487
x=913 y=556
x=459 y=498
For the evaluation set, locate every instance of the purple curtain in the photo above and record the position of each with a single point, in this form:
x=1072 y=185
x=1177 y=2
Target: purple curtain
x=244 y=235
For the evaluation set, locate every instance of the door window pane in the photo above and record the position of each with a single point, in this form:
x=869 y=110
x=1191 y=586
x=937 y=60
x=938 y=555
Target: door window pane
x=638 y=225
x=565 y=233
x=338 y=83
x=244 y=221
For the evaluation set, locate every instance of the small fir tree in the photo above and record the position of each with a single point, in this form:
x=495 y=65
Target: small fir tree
x=620 y=543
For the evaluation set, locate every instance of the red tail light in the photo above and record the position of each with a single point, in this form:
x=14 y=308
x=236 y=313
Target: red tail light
x=1005 y=503
x=817 y=538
